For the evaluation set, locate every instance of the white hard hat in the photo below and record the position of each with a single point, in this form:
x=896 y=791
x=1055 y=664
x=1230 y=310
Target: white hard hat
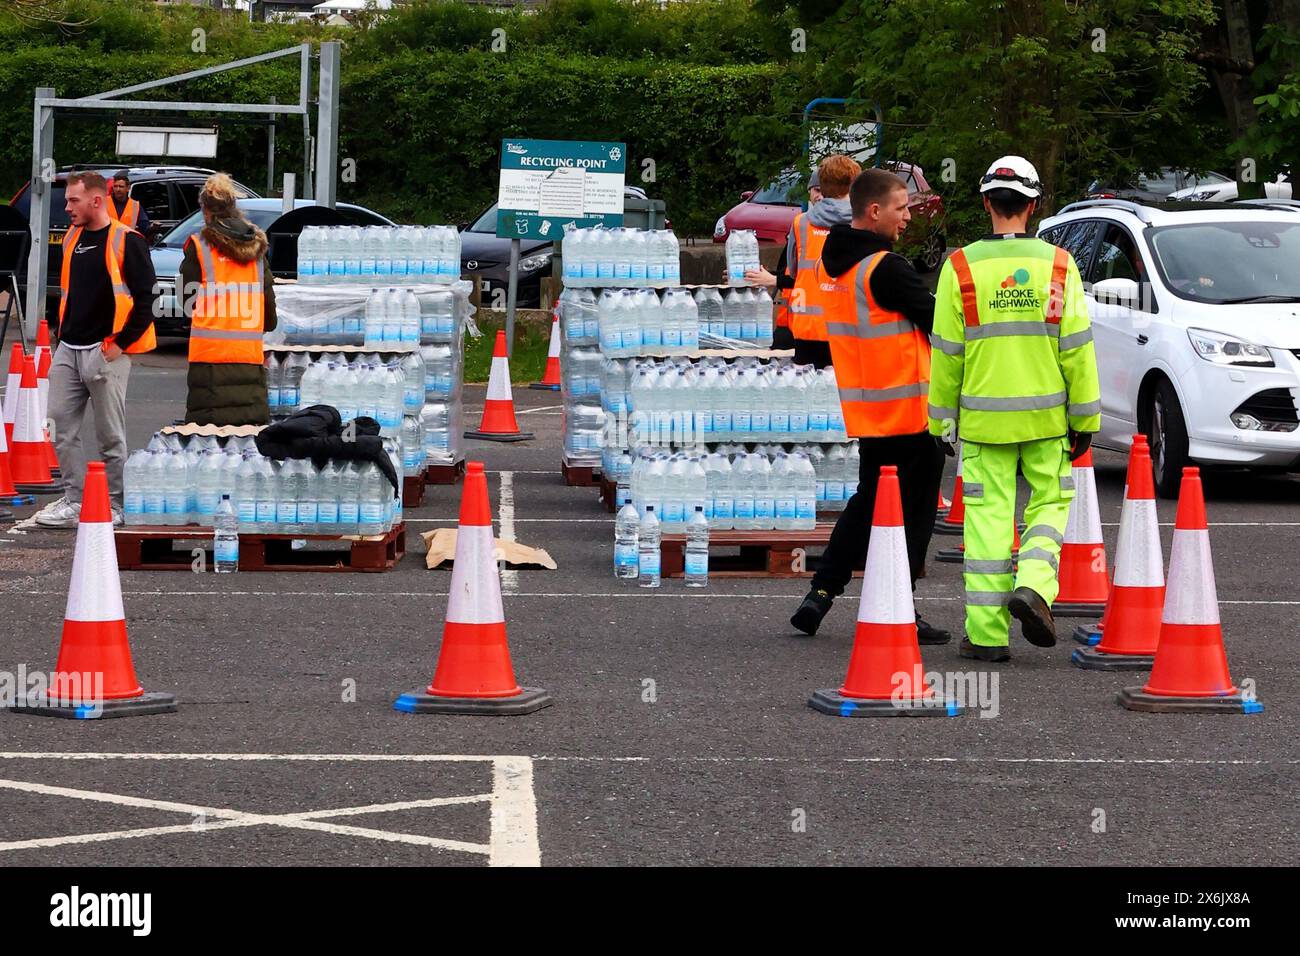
x=1015 y=173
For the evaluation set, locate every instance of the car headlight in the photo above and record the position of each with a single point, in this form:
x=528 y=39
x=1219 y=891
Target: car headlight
x=1225 y=350
x=533 y=263
x=1203 y=195
x=720 y=227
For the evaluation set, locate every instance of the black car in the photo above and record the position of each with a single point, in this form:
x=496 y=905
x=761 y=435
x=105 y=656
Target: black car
x=485 y=259
x=167 y=194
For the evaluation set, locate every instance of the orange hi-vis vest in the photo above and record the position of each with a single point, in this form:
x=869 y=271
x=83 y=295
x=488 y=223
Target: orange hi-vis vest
x=882 y=360
x=130 y=212
x=229 y=309
x=807 y=321
x=114 y=251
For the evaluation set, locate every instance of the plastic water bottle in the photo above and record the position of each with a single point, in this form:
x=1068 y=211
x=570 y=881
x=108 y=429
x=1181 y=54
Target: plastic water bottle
x=626 y=537
x=697 y=550
x=733 y=307
x=309 y=503
x=672 y=258
x=805 y=491
x=294 y=367
x=648 y=558
x=373 y=496
x=736 y=257
x=835 y=491
x=274 y=375
x=225 y=538
x=783 y=492
x=603 y=250
x=449 y=261
x=133 y=482
x=392 y=318
x=764 y=499
x=349 y=489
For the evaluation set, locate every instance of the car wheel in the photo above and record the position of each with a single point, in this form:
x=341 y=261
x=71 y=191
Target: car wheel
x=931 y=256
x=1166 y=432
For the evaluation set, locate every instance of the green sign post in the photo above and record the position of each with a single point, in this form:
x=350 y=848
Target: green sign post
x=550 y=185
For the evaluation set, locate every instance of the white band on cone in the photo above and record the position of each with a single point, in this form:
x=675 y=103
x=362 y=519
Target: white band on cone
x=4 y=443
x=475 y=582
x=27 y=425
x=1139 y=560
x=1191 y=597
x=499 y=381
x=1084 y=523
x=11 y=396
x=886 y=582
x=553 y=350
x=95 y=592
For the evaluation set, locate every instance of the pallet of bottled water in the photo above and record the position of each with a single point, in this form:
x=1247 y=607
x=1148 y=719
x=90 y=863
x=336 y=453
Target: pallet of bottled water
x=621 y=257
x=414 y=396
x=378 y=256
x=772 y=487
x=385 y=317
x=176 y=481
x=678 y=321
x=677 y=402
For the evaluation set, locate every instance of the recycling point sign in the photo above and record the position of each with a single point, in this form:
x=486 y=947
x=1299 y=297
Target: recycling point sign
x=547 y=185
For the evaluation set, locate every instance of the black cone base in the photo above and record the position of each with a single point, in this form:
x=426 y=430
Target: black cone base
x=542 y=386
x=134 y=707
x=500 y=436
x=1087 y=635
x=529 y=700
x=1073 y=609
x=950 y=555
x=1133 y=698
x=835 y=704
x=1091 y=659
x=53 y=488
x=942 y=527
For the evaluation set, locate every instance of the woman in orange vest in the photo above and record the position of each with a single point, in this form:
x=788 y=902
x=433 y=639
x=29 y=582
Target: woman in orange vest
x=226 y=291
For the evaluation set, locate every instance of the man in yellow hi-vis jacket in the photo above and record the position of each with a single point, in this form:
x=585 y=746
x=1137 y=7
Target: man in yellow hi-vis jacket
x=1014 y=375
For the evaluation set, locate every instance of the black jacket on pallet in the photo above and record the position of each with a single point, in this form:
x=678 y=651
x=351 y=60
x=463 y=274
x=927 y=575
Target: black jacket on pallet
x=316 y=432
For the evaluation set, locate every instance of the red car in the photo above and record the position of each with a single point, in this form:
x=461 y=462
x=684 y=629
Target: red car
x=770 y=212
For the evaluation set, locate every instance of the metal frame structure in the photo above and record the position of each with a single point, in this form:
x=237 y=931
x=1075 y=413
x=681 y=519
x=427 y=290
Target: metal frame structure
x=326 y=141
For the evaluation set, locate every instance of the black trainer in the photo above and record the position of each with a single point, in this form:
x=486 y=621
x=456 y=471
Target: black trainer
x=1036 y=622
x=979 y=652
x=814 y=607
x=929 y=634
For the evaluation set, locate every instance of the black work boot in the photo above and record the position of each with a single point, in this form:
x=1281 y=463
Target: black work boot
x=1036 y=622
x=814 y=607
x=929 y=634
x=980 y=652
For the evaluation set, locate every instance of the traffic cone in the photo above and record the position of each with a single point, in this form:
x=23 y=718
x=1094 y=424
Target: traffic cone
x=8 y=493
x=474 y=674
x=94 y=676
x=1190 y=673
x=1138 y=591
x=499 y=408
x=885 y=676
x=31 y=473
x=42 y=342
x=551 y=380
x=943 y=505
x=11 y=389
x=1090 y=634
x=951 y=523
x=1084 y=584
x=43 y=390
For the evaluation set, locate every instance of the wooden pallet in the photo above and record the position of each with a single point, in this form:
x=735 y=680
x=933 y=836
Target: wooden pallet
x=580 y=476
x=413 y=490
x=444 y=474
x=152 y=548
x=609 y=494
x=763 y=554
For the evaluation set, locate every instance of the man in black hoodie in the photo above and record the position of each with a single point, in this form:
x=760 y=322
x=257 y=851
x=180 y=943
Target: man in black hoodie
x=893 y=432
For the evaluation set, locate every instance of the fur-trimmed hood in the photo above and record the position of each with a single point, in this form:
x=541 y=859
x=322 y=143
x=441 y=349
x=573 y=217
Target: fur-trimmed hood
x=236 y=237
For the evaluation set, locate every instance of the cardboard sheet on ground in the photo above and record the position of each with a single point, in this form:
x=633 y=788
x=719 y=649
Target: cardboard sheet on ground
x=442 y=549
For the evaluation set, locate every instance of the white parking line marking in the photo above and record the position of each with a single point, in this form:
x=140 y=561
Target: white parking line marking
x=513 y=806
x=543 y=408
x=509 y=578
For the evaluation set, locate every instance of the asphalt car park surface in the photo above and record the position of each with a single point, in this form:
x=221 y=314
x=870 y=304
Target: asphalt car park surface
x=680 y=731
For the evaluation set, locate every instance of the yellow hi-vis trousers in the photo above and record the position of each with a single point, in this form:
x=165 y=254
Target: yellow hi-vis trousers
x=989 y=495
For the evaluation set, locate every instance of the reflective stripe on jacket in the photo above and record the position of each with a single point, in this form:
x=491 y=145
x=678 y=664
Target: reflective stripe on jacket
x=226 y=324
x=882 y=360
x=114 y=252
x=1014 y=358
x=806 y=319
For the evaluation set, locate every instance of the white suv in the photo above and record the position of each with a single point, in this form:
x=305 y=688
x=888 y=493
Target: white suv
x=1196 y=320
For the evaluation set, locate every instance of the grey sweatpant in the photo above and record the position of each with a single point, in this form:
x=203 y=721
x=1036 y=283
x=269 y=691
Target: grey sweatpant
x=78 y=375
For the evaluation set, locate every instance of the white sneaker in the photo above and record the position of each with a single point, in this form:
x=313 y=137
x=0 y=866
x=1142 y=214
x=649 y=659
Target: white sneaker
x=117 y=517
x=59 y=514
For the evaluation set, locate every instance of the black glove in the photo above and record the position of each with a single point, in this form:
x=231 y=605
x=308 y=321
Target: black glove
x=1080 y=442
x=945 y=447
